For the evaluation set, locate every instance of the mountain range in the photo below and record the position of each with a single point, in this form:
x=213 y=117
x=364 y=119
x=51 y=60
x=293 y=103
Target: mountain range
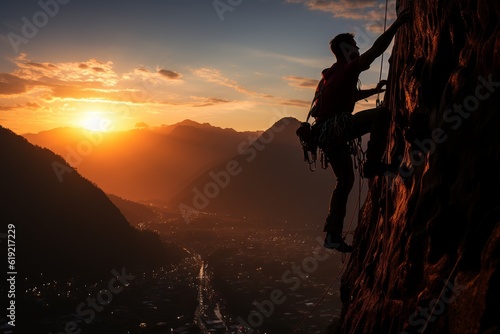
x=186 y=166
x=145 y=163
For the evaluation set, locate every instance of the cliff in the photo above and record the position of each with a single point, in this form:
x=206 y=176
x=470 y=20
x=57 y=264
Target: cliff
x=428 y=240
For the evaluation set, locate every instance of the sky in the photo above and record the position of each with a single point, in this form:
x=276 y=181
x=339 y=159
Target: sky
x=115 y=65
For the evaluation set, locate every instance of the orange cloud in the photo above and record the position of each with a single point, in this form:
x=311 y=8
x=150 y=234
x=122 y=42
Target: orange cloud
x=295 y=103
x=11 y=84
x=84 y=72
x=355 y=10
x=301 y=82
x=215 y=76
x=169 y=74
x=210 y=101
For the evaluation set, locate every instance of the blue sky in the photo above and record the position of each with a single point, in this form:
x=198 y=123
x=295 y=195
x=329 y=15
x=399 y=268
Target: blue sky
x=232 y=63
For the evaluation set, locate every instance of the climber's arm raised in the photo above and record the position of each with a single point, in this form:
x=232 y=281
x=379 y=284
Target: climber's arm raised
x=382 y=43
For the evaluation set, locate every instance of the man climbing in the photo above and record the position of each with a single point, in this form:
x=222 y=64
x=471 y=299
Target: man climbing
x=335 y=125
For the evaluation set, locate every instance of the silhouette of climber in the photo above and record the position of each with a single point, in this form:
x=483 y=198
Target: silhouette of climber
x=335 y=125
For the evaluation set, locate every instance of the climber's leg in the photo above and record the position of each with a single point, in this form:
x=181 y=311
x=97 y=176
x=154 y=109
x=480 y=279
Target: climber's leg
x=376 y=122
x=340 y=160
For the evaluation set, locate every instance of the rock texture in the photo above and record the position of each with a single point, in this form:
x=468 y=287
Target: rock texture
x=428 y=241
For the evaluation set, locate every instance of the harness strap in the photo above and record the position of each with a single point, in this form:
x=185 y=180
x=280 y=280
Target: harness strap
x=338 y=126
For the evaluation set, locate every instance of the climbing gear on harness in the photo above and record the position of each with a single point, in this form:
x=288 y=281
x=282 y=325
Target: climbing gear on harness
x=306 y=134
x=308 y=142
x=341 y=126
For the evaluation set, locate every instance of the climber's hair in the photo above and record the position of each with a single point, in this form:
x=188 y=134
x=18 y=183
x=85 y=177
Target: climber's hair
x=338 y=41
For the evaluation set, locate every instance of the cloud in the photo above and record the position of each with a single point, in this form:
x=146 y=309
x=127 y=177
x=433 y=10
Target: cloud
x=210 y=101
x=90 y=71
x=82 y=93
x=28 y=105
x=355 y=10
x=11 y=84
x=301 y=82
x=89 y=80
x=149 y=81
x=216 y=76
x=169 y=74
x=308 y=62
x=295 y=103
x=141 y=125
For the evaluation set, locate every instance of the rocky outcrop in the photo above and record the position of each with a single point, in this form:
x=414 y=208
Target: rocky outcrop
x=428 y=241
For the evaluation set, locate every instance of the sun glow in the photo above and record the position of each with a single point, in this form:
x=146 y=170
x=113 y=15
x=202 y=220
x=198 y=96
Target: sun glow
x=96 y=121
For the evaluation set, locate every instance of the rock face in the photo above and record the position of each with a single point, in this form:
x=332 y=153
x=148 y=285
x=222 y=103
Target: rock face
x=428 y=241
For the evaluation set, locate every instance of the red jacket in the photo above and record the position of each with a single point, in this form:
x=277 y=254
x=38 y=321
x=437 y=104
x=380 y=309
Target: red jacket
x=338 y=89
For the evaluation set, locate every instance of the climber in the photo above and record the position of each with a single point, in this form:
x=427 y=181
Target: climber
x=335 y=125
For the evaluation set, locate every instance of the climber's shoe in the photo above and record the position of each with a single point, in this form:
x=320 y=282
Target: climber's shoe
x=372 y=168
x=335 y=241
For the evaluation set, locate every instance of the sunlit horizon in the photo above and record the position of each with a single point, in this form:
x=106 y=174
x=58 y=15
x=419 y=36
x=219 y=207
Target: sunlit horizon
x=150 y=66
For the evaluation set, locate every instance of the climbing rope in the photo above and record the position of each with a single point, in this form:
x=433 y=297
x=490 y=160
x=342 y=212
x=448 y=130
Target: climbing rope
x=338 y=125
x=378 y=104
x=491 y=212
x=441 y=293
x=382 y=57
x=387 y=155
x=297 y=329
x=344 y=263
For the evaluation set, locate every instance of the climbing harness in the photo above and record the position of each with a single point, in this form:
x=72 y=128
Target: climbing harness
x=339 y=126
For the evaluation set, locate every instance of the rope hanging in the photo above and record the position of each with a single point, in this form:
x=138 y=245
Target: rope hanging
x=382 y=57
x=319 y=301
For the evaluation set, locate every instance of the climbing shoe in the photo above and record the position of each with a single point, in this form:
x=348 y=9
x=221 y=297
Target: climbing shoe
x=335 y=241
x=376 y=168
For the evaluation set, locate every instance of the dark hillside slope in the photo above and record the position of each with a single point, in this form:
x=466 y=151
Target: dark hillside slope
x=65 y=226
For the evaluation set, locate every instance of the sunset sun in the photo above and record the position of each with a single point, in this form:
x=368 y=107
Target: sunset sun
x=95 y=121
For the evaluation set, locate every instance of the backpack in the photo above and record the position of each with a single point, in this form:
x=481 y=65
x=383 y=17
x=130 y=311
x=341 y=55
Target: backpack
x=306 y=135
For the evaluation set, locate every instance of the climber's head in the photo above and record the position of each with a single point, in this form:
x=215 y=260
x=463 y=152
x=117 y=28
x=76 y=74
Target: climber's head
x=344 y=47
